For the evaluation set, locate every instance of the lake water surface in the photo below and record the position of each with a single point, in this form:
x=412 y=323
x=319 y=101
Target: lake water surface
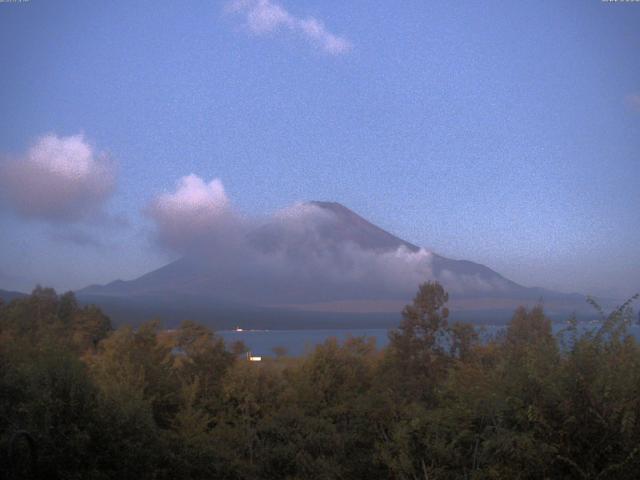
x=298 y=342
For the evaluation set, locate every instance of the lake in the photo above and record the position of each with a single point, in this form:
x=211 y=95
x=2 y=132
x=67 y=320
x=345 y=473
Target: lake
x=298 y=342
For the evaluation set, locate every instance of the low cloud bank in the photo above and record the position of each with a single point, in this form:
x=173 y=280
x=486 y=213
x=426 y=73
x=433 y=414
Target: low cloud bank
x=297 y=254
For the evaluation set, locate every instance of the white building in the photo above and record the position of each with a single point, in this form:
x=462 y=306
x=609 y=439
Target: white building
x=252 y=358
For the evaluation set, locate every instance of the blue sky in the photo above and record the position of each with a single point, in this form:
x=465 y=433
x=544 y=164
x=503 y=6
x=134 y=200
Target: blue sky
x=507 y=133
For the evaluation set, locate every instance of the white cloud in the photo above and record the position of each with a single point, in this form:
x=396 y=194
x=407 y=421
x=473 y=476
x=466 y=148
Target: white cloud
x=304 y=253
x=59 y=179
x=195 y=212
x=195 y=199
x=299 y=252
x=264 y=17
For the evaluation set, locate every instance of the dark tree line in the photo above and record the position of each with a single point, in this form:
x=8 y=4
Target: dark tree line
x=80 y=400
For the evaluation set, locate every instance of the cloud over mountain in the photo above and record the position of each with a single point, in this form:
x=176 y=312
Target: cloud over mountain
x=301 y=248
x=265 y=17
x=313 y=256
x=311 y=251
x=195 y=217
x=58 y=179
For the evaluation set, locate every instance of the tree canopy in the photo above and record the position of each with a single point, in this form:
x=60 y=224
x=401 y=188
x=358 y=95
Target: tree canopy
x=81 y=400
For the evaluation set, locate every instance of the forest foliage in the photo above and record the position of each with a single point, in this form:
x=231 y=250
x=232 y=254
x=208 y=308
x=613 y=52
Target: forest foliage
x=81 y=400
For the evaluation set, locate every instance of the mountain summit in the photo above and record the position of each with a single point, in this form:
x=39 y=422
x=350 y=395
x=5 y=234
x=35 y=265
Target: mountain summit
x=351 y=227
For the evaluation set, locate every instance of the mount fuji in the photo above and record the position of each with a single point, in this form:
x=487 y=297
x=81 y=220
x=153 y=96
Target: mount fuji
x=314 y=265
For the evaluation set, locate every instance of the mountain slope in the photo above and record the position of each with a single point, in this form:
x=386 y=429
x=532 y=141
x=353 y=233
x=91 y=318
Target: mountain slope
x=319 y=257
x=8 y=295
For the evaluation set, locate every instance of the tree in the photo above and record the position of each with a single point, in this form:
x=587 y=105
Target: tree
x=418 y=349
x=89 y=326
x=202 y=359
x=67 y=306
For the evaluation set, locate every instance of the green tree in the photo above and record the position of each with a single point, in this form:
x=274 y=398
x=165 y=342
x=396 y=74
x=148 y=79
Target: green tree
x=418 y=349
